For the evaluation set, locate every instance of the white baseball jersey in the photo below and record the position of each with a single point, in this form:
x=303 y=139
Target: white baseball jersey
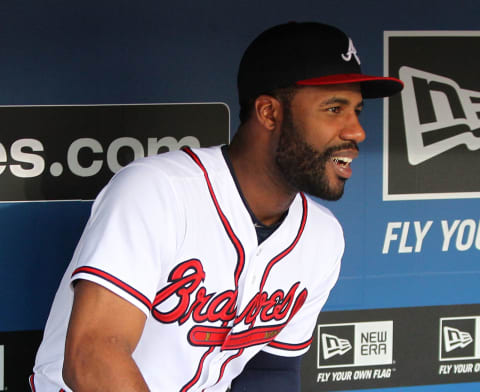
x=172 y=235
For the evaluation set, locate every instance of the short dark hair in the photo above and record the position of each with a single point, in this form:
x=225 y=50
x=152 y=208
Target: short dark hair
x=284 y=95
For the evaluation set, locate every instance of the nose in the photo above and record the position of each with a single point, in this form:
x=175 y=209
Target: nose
x=353 y=130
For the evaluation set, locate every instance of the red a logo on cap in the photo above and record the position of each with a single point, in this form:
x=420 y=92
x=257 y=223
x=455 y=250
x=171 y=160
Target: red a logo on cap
x=351 y=52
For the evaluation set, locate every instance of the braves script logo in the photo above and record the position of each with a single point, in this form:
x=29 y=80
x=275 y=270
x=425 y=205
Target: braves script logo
x=191 y=300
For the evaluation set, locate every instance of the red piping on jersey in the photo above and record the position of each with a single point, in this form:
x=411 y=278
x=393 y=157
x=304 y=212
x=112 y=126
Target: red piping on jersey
x=291 y=347
x=117 y=282
x=300 y=299
x=285 y=252
x=292 y=245
x=31 y=382
x=240 y=264
x=263 y=335
x=236 y=244
x=192 y=382
x=224 y=366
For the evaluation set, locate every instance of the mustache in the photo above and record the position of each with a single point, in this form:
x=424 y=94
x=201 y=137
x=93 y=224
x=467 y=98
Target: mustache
x=345 y=146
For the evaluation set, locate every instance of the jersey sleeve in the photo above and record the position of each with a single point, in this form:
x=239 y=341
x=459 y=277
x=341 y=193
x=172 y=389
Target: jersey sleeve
x=296 y=337
x=131 y=233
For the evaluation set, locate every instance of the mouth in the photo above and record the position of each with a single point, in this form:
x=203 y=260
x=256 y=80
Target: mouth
x=341 y=163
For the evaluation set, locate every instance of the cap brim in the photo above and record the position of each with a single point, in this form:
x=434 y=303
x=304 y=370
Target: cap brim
x=372 y=86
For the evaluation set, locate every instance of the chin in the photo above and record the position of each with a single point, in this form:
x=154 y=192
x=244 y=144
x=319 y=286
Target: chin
x=332 y=196
x=328 y=193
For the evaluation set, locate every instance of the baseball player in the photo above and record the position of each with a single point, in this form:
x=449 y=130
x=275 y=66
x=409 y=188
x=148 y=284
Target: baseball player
x=205 y=269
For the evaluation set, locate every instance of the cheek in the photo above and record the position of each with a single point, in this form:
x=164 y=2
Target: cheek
x=320 y=137
x=315 y=128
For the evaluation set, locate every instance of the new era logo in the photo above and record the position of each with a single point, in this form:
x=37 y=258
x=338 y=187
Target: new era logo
x=355 y=344
x=459 y=338
x=333 y=345
x=432 y=129
x=438 y=115
x=454 y=338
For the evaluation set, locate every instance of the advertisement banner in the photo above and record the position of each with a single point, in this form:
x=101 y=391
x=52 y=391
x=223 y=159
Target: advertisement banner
x=432 y=130
x=53 y=153
x=380 y=348
x=17 y=355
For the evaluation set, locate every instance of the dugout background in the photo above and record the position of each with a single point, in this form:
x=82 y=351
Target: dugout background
x=412 y=263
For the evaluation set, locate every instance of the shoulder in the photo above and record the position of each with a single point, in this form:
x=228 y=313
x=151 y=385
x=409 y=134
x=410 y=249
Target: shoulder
x=158 y=170
x=177 y=163
x=152 y=181
x=321 y=217
x=324 y=245
x=324 y=235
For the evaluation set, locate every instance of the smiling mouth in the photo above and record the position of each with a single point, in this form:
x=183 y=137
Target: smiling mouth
x=342 y=161
x=341 y=165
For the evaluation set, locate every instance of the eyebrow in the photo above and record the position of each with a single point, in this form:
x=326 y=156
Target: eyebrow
x=342 y=101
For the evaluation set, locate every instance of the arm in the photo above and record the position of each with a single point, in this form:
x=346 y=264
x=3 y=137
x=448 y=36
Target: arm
x=267 y=372
x=103 y=332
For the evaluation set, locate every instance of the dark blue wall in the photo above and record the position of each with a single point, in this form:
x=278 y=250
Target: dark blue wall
x=113 y=52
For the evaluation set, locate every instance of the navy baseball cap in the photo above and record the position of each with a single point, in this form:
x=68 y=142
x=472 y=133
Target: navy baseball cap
x=306 y=54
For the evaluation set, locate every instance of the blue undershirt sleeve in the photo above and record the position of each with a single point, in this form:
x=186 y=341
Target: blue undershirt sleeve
x=267 y=372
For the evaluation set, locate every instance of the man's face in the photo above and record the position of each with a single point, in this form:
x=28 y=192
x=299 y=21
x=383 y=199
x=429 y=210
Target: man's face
x=319 y=137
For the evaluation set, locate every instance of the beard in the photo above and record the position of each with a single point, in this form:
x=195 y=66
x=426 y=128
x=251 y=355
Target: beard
x=303 y=167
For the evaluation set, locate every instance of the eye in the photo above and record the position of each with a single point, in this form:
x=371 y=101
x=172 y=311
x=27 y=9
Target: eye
x=358 y=112
x=334 y=109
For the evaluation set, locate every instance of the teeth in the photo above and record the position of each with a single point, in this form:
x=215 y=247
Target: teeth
x=343 y=161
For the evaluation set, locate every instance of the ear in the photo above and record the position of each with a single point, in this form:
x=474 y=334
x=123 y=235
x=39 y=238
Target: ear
x=268 y=111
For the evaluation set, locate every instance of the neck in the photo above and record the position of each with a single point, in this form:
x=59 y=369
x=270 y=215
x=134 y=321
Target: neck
x=262 y=185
